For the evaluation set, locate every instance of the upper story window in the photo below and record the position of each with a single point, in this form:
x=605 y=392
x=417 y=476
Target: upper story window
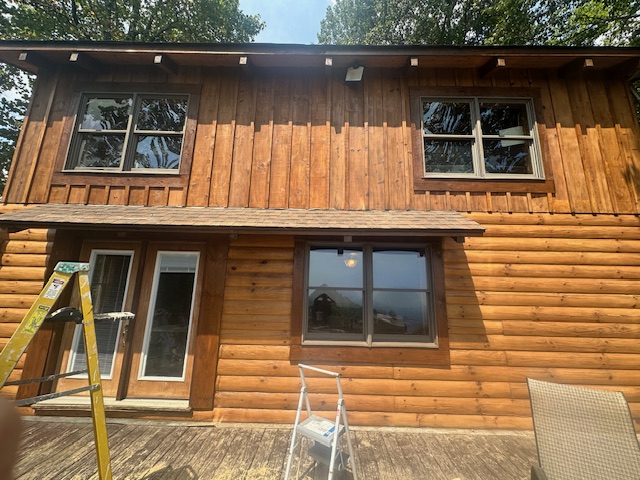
x=129 y=132
x=476 y=137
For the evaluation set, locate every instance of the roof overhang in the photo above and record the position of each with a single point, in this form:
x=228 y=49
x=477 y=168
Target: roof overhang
x=411 y=223
x=33 y=56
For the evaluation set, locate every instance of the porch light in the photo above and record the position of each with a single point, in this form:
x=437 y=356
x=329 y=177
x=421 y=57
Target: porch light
x=354 y=73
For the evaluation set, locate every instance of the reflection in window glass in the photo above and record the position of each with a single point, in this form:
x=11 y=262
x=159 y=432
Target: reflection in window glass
x=448 y=156
x=507 y=156
x=155 y=151
x=162 y=114
x=451 y=118
x=369 y=295
x=166 y=347
x=335 y=267
x=109 y=280
x=400 y=313
x=106 y=113
x=504 y=119
x=103 y=151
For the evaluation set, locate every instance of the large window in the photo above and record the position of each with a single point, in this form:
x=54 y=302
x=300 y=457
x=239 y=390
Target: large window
x=475 y=137
x=369 y=294
x=129 y=132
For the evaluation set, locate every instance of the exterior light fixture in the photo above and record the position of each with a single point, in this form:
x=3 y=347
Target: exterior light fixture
x=354 y=73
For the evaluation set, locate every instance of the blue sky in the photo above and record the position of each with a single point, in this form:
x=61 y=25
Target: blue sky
x=288 y=21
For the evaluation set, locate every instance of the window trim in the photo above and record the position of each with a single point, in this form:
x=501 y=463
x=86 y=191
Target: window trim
x=470 y=182
x=382 y=353
x=137 y=178
x=367 y=337
x=127 y=162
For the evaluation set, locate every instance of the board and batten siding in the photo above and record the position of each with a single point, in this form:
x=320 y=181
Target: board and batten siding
x=552 y=297
x=295 y=138
x=24 y=258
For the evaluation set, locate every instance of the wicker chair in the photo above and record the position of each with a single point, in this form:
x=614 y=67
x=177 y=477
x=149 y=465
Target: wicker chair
x=582 y=433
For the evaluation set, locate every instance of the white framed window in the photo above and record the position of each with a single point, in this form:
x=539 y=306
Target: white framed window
x=119 y=132
x=369 y=294
x=480 y=137
x=110 y=276
x=170 y=317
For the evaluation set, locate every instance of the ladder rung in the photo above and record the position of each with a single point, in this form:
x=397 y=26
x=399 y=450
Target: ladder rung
x=46 y=379
x=49 y=396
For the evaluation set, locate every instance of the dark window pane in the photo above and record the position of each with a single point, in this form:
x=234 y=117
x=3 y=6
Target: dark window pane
x=158 y=151
x=450 y=156
x=400 y=313
x=335 y=268
x=504 y=119
x=100 y=150
x=446 y=118
x=332 y=310
x=404 y=269
x=106 y=113
x=507 y=156
x=162 y=114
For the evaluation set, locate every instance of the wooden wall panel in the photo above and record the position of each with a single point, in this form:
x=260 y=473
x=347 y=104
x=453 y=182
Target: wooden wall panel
x=24 y=257
x=288 y=138
x=569 y=315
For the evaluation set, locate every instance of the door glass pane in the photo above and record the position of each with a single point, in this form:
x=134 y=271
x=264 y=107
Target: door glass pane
x=106 y=113
x=450 y=118
x=448 y=156
x=168 y=331
x=109 y=282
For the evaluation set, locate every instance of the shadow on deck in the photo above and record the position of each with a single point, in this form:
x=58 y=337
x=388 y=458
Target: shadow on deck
x=63 y=449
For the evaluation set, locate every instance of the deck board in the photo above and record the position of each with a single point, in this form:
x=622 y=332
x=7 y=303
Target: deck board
x=63 y=449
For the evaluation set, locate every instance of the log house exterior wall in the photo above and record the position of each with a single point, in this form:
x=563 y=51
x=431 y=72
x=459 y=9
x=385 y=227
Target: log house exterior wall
x=550 y=291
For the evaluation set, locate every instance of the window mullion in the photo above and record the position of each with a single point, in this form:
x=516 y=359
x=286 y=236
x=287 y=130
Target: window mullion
x=478 y=151
x=367 y=252
x=127 y=161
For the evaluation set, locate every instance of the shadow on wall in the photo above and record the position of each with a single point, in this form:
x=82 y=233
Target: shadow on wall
x=632 y=176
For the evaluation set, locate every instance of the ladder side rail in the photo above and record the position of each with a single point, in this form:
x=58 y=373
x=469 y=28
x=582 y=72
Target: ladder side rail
x=336 y=436
x=97 y=400
x=303 y=394
x=304 y=386
x=352 y=457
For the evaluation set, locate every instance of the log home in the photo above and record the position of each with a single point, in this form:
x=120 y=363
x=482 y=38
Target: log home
x=437 y=224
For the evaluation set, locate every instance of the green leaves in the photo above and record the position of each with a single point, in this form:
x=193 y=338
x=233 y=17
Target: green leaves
x=482 y=22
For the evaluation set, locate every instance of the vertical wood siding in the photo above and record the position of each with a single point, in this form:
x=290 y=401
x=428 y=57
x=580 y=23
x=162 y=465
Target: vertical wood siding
x=287 y=138
x=552 y=297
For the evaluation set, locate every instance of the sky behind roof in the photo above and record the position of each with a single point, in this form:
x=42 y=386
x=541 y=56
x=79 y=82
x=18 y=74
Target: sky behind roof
x=288 y=21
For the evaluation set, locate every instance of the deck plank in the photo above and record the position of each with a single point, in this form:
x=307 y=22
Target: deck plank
x=63 y=449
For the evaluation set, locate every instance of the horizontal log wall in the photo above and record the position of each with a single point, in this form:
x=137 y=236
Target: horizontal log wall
x=24 y=259
x=306 y=139
x=529 y=299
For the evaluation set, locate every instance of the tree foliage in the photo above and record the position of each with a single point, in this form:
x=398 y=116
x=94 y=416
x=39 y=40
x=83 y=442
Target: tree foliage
x=107 y=20
x=482 y=22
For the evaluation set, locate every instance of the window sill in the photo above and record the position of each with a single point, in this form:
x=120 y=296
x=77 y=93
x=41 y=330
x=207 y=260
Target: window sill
x=370 y=355
x=483 y=185
x=119 y=178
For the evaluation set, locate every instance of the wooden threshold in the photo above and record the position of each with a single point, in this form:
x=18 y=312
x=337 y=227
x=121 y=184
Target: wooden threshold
x=141 y=405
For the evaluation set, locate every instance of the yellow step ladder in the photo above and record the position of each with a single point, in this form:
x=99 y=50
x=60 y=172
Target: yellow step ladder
x=31 y=323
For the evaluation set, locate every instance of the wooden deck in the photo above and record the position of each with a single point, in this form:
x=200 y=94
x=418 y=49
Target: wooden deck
x=63 y=449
